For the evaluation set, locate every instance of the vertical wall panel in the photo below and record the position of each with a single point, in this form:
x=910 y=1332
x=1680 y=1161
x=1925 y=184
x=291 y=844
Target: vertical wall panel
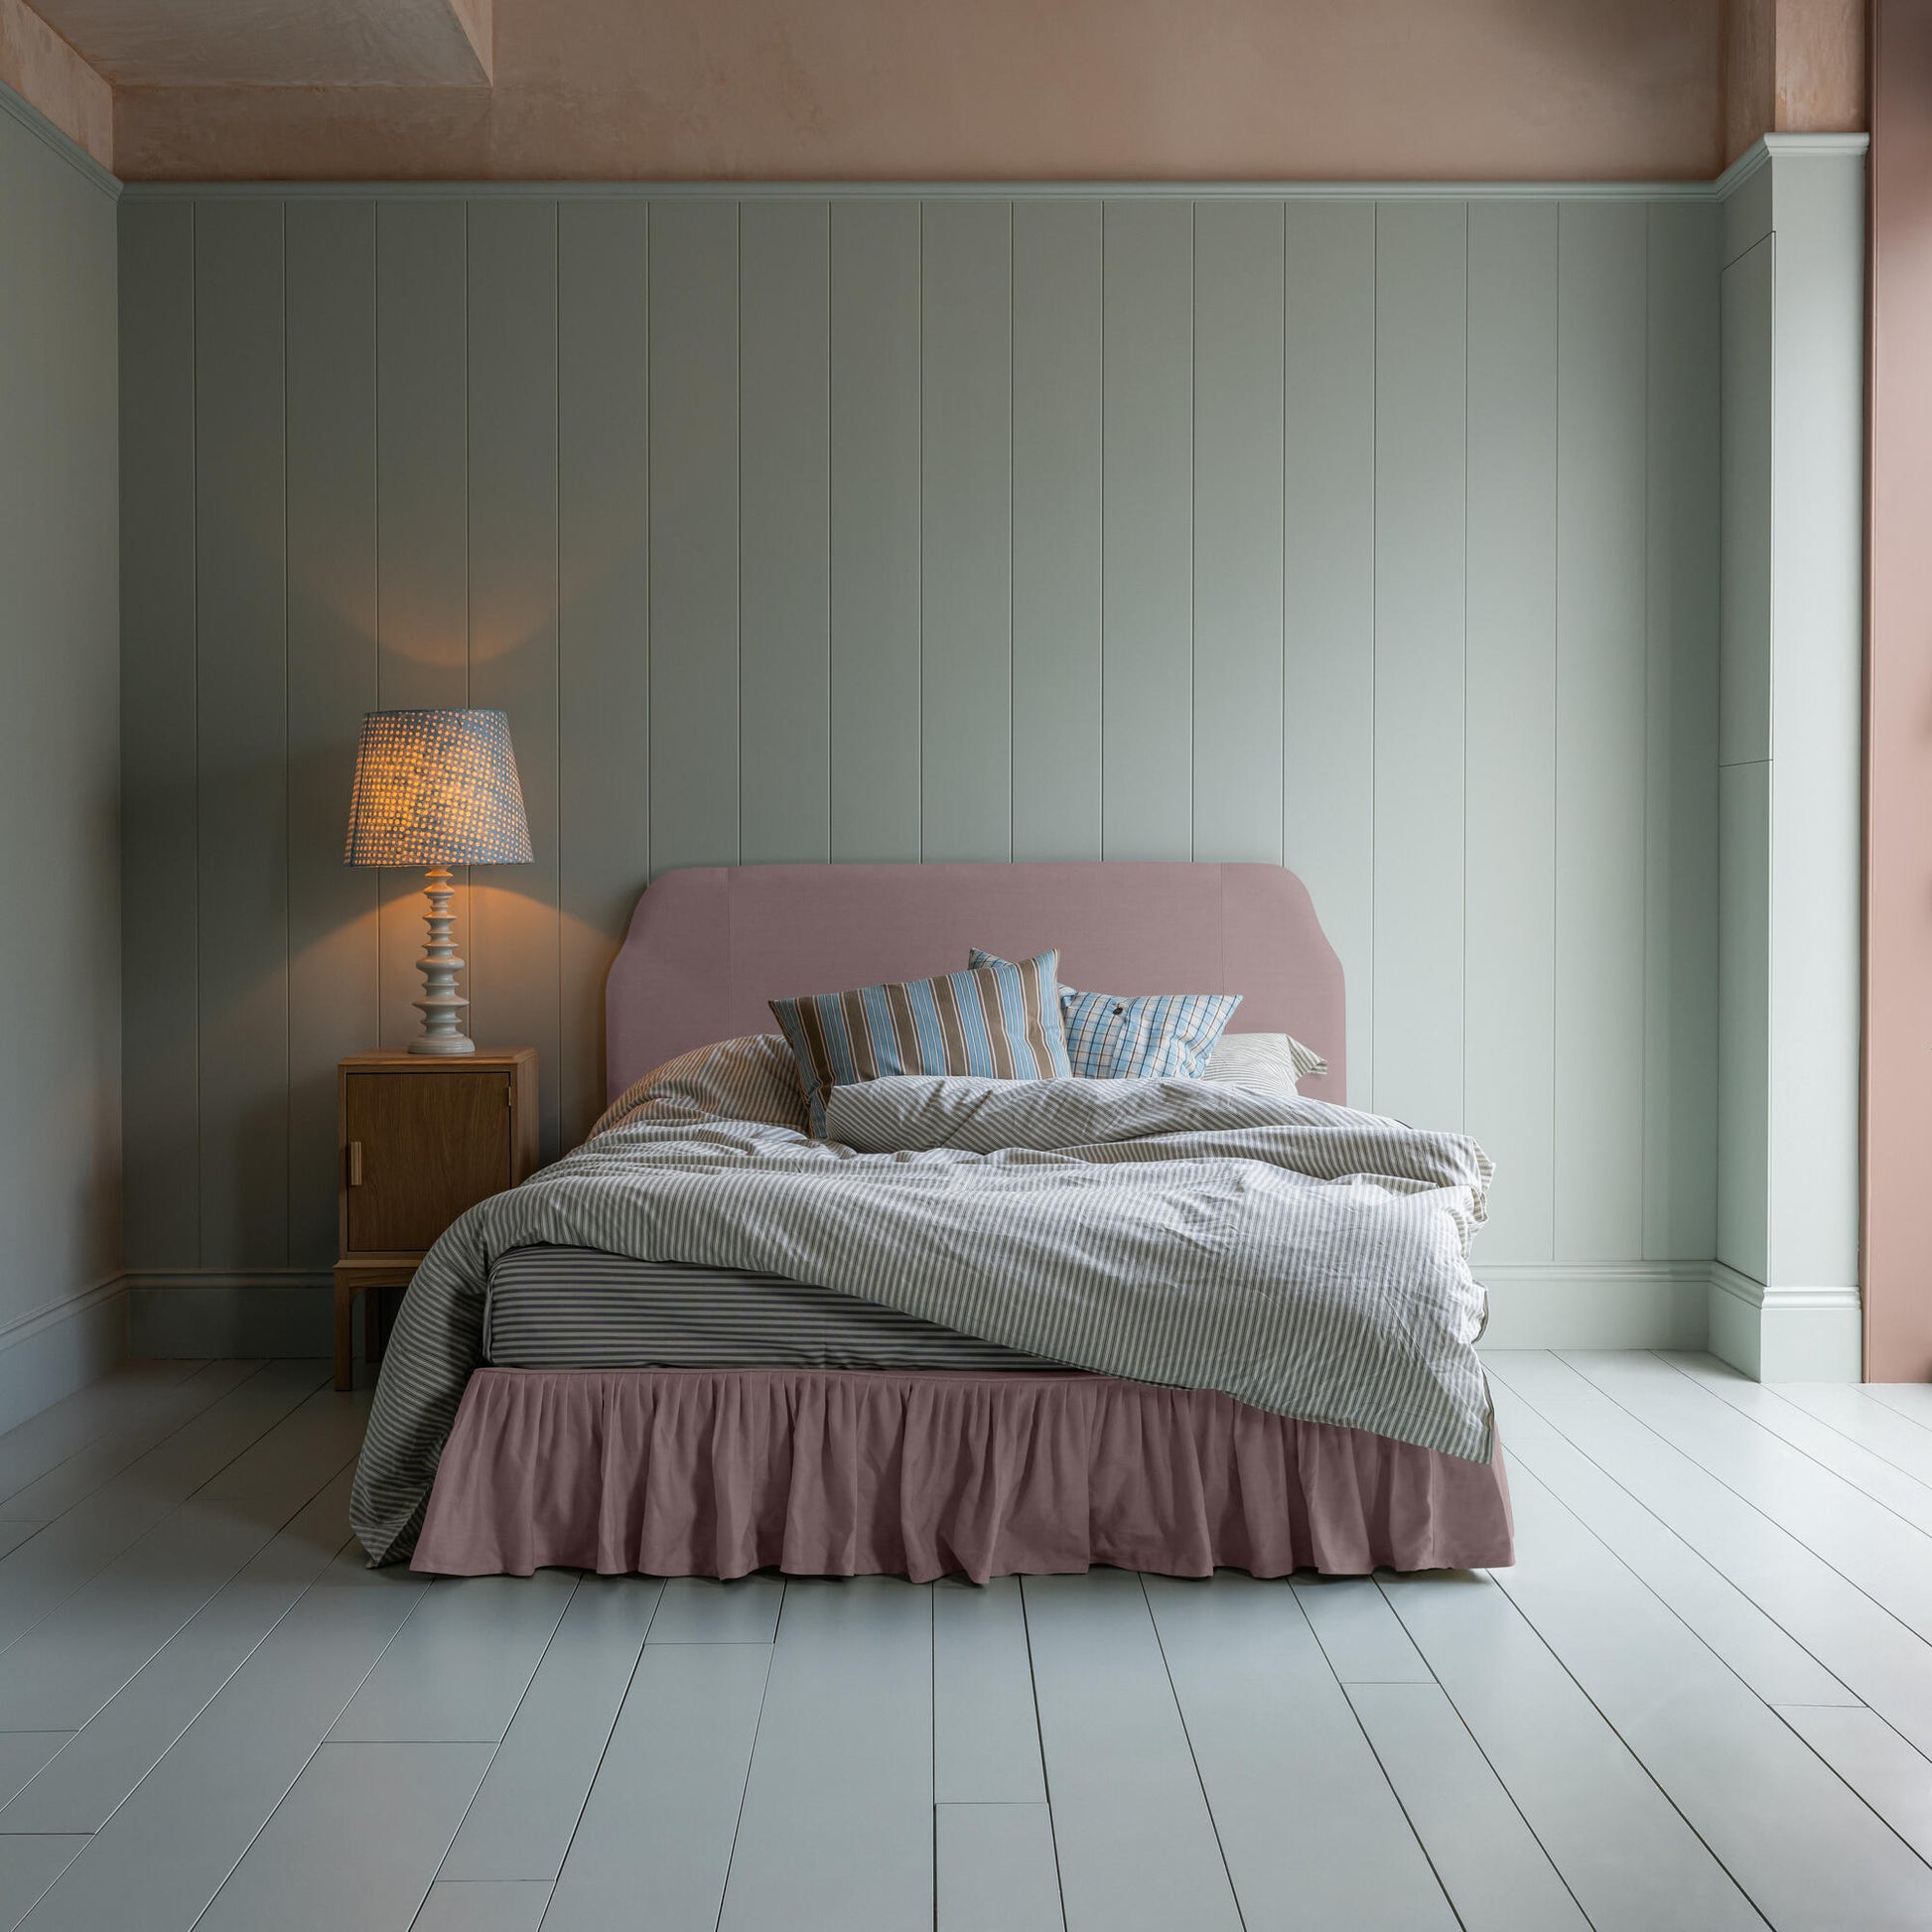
x=1511 y=729
x=1601 y=721
x=1329 y=594
x=1420 y=465
x=422 y=401
x=334 y=980
x=694 y=681
x=966 y=529
x=1239 y=372
x=1146 y=667
x=1056 y=442
x=1747 y=375
x=602 y=619
x=1746 y=306
x=158 y=849
x=60 y=780
x=874 y=530
x=784 y=264
x=512 y=295
x=1681 y=838
x=241 y=714
x=1743 y=1017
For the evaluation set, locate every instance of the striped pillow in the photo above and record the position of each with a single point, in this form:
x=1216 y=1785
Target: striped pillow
x=1158 y=1036
x=999 y=1020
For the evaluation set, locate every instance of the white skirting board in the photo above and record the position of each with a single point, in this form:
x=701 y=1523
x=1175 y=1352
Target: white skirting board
x=1595 y=1304
x=55 y=1350
x=1785 y=1334
x=198 y=1311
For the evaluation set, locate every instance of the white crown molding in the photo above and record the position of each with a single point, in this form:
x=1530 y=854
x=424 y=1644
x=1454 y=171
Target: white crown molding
x=19 y=108
x=1770 y=147
x=942 y=191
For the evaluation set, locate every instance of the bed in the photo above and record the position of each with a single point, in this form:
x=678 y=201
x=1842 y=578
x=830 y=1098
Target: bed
x=569 y=1383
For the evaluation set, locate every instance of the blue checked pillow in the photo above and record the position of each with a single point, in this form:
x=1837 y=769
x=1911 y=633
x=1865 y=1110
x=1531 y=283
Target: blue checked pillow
x=1160 y=1036
x=996 y=1018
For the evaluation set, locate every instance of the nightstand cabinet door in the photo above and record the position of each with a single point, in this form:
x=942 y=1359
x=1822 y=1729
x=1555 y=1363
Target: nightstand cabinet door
x=422 y=1149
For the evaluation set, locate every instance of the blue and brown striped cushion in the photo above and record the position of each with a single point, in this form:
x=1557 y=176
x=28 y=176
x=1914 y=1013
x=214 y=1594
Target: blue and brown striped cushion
x=1157 y=1037
x=1001 y=1020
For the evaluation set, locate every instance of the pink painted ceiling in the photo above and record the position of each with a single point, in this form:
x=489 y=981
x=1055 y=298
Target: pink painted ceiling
x=276 y=43
x=943 y=89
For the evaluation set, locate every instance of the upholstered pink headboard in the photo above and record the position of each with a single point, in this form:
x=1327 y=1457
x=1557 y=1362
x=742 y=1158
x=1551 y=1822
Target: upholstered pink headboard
x=708 y=947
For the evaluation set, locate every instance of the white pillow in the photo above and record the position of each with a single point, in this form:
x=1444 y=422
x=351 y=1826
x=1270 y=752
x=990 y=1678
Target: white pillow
x=1272 y=1060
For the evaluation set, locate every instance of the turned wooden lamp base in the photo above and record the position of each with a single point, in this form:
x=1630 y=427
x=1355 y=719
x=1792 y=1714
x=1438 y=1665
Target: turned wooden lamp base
x=442 y=1004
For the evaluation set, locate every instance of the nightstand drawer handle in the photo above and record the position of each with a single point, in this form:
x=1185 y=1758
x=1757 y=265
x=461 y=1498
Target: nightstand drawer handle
x=356 y=1164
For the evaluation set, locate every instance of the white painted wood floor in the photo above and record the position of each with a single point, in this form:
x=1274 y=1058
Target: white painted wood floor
x=1702 y=1700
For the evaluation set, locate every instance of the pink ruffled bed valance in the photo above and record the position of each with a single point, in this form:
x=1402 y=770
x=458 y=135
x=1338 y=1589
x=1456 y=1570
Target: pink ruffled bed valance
x=716 y=1473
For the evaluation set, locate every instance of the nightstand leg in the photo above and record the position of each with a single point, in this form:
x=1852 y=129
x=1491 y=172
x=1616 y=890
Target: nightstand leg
x=372 y=1326
x=345 y=1335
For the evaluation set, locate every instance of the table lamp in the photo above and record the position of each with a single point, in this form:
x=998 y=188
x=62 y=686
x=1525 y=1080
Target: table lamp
x=437 y=789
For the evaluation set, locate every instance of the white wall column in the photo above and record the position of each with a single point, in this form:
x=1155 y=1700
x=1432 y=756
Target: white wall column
x=1784 y=1295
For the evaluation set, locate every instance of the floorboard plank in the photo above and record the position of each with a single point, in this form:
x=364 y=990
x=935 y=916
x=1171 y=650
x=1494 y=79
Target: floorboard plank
x=306 y=1447
x=1885 y=1771
x=116 y=1401
x=45 y=1571
x=1800 y=1844
x=996 y=1870
x=84 y=1784
x=699 y=1610
x=1872 y=1654
x=1364 y=1640
x=460 y=1665
x=483 y=1905
x=1626 y=1853
x=985 y=1731
x=58 y=1673
x=1872 y=1424
x=1864 y=1542
x=1912 y=1400
x=28 y=1865
x=1311 y=1829
x=1904 y=1495
x=164 y=1854
x=1772 y=1662
x=22 y=1754
x=663 y=1810
x=1137 y=1844
x=837 y=1830
x=1486 y=1857
x=356 y=1842
x=160 y=1413
x=519 y=1827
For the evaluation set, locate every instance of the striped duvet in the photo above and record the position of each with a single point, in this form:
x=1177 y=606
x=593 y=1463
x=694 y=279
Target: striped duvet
x=1301 y=1257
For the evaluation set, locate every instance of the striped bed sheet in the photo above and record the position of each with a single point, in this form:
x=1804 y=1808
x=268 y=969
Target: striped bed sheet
x=580 y=1307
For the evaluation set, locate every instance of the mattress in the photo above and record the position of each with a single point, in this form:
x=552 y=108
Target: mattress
x=579 y=1308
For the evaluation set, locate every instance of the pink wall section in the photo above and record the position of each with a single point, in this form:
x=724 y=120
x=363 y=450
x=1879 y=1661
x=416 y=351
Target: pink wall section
x=1001 y=89
x=1897 y=1258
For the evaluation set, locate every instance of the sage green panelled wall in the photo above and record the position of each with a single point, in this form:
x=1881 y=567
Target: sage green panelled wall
x=1373 y=536
x=60 y=725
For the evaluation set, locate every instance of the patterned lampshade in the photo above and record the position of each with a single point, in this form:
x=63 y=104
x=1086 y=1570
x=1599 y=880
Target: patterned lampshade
x=436 y=789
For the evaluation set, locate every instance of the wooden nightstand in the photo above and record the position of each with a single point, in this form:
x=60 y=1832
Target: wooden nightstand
x=422 y=1137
